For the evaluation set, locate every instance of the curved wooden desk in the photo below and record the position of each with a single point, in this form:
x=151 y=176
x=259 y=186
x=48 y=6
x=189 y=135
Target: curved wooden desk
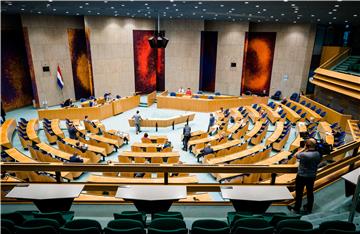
x=7 y=130
x=32 y=128
x=55 y=127
x=219 y=147
x=164 y=122
x=253 y=114
x=309 y=113
x=276 y=134
x=144 y=147
x=124 y=104
x=236 y=156
x=325 y=132
x=300 y=128
x=254 y=130
x=92 y=148
x=273 y=116
x=116 y=135
x=291 y=115
x=206 y=105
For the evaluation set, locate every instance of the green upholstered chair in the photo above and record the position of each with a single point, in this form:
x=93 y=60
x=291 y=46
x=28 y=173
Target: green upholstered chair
x=89 y=230
x=35 y=230
x=82 y=223
x=137 y=230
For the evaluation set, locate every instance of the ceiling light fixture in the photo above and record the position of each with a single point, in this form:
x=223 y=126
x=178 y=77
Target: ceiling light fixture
x=158 y=40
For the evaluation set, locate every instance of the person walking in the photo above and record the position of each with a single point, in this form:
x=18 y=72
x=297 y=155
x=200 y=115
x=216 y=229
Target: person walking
x=137 y=118
x=187 y=135
x=211 y=121
x=309 y=159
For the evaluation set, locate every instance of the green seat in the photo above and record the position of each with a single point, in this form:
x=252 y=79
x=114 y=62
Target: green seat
x=5 y=230
x=58 y=216
x=293 y=223
x=336 y=224
x=335 y=231
x=89 y=230
x=82 y=223
x=16 y=217
x=137 y=230
x=268 y=215
x=201 y=230
x=36 y=222
x=28 y=214
x=125 y=224
x=248 y=230
x=242 y=216
x=168 y=214
x=8 y=224
x=167 y=225
x=209 y=223
x=174 y=231
x=279 y=217
x=288 y=230
x=35 y=230
x=250 y=223
x=230 y=215
x=133 y=215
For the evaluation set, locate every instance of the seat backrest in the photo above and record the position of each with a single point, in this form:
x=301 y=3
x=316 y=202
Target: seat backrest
x=167 y=223
x=89 y=230
x=8 y=224
x=209 y=224
x=37 y=230
x=336 y=231
x=287 y=230
x=108 y=230
x=337 y=224
x=293 y=223
x=249 y=230
x=15 y=217
x=251 y=223
x=279 y=217
x=127 y=221
x=203 y=230
x=176 y=215
x=52 y=215
x=82 y=223
x=41 y=222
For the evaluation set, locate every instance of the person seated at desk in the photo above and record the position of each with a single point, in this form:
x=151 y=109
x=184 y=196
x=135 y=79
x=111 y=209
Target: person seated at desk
x=67 y=103
x=145 y=138
x=207 y=150
x=82 y=147
x=278 y=109
x=188 y=92
x=107 y=96
x=283 y=101
x=167 y=145
x=92 y=103
x=72 y=130
x=76 y=158
x=181 y=90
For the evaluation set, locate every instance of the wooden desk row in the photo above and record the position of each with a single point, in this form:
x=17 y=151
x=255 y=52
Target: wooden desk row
x=332 y=116
x=300 y=128
x=216 y=148
x=148 y=147
x=98 y=112
x=7 y=130
x=253 y=114
x=151 y=97
x=100 y=141
x=276 y=134
x=131 y=180
x=164 y=122
x=32 y=128
x=237 y=157
x=280 y=158
x=272 y=115
x=94 y=153
x=309 y=113
x=152 y=157
x=17 y=156
x=206 y=105
x=155 y=139
x=291 y=115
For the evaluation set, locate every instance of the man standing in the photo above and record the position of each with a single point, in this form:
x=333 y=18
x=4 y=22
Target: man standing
x=211 y=121
x=309 y=159
x=137 y=118
x=187 y=135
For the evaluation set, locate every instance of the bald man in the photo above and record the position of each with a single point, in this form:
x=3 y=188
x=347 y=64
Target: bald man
x=309 y=159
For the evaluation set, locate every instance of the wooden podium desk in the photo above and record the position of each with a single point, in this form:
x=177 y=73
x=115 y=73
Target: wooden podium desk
x=125 y=104
x=206 y=105
x=96 y=112
x=164 y=122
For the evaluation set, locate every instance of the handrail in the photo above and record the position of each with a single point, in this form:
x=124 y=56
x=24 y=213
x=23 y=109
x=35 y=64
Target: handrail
x=335 y=58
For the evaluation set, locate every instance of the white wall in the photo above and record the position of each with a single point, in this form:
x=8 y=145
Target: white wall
x=49 y=45
x=182 y=54
x=230 y=48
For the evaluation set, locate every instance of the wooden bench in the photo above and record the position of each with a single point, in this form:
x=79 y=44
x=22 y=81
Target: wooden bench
x=221 y=147
x=94 y=126
x=260 y=135
x=291 y=115
x=156 y=139
x=93 y=152
x=254 y=130
x=101 y=141
x=116 y=135
x=7 y=130
x=254 y=114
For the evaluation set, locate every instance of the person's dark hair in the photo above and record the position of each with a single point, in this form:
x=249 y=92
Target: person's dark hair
x=86 y=116
x=145 y=134
x=77 y=143
x=137 y=112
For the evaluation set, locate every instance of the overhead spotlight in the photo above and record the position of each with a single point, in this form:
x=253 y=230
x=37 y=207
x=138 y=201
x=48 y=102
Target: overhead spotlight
x=158 y=40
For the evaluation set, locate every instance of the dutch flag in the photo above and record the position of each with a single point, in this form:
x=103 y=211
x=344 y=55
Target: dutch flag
x=59 y=78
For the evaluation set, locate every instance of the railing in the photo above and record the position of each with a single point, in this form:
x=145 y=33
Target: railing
x=335 y=59
x=325 y=176
x=151 y=97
